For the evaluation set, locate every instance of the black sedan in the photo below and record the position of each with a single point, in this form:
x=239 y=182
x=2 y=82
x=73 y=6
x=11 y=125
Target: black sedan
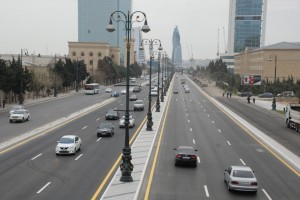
x=112 y=114
x=106 y=129
x=133 y=97
x=266 y=95
x=185 y=155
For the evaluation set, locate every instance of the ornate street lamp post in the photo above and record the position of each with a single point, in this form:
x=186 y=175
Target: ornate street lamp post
x=150 y=43
x=126 y=166
x=21 y=96
x=163 y=91
x=275 y=70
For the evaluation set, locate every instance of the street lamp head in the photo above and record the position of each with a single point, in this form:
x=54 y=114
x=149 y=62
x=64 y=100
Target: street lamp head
x=110 y=27
x=160 y=47
x=145 y=27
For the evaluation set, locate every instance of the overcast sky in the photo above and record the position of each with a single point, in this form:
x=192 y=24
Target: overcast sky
x=46 y=26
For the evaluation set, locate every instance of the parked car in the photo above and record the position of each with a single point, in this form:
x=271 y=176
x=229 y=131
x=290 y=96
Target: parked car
x=123 y=92
x=133 y=97
x=112 y=114
x=240 y=178
x=108 y=90
x=16 y=107
x=138 y=105
x=175 y=91
x=115 y=94
x=131 y=122
x=266 y=95
x=286 y=94
x=185 y=155
x=106 y=129
x=245 y=94
x=19 y=115
x=68 y=144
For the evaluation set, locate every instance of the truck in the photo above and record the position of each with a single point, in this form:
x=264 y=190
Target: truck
x=292 y=116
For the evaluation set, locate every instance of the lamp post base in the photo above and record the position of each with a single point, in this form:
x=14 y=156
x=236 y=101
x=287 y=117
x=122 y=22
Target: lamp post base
x=126 y=166
x=158 y=107
x=149 y=122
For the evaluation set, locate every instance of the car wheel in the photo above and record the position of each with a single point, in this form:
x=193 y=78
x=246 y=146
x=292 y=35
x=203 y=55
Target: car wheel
x=28 y=119
x=57 y=154
x=176 y=164
x=75 y=152
x=111 y=134
x=228 y=187
x=195 y=164
x=23 y=120
x=10 y=121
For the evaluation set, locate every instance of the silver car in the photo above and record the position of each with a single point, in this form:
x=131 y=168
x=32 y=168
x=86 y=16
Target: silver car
x=240 y=178
x=16 y=107
x=138 y=105
x=131 y=122
x=106 y=129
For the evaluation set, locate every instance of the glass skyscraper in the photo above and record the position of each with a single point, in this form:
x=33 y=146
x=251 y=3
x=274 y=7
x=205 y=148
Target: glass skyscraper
x=246 y=24
x=93 y=18
x=176 y=54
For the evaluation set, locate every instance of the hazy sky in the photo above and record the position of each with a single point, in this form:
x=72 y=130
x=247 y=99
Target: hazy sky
x=46 y=26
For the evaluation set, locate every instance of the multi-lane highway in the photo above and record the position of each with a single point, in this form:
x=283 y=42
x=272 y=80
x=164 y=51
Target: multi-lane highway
x=31 y=170
x=193 y=120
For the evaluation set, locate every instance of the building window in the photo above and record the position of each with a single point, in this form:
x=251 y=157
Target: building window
x=91 y=53
x=99 y=54
x=74 y=53
x=91 y=62
x=82 y=53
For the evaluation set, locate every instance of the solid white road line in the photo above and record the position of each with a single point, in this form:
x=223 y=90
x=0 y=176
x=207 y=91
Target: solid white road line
x=99 y=139
x=191 y=129
x=78 y=157
x=84 y=128
x=44 y=187
x=194 y=141
x=206 y=191
x=242 y=162
x=228 y=142
x=36 y=156
x=98 y=119
x=198 y=159
x=268 y=196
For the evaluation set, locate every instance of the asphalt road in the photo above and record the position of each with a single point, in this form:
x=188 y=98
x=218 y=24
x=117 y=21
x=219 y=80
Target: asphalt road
x=194 y=121
x=33 y=171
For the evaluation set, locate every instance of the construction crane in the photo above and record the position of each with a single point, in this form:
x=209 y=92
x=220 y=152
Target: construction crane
x=224 y=40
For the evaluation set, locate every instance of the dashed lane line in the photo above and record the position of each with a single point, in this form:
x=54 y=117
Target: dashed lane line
x=99 y=139
x=36 y=157
x=84 y=127
x=228 y=143
x=206 y=191
x=78 y=157
x=267 y=195
x=44 y=187
x=242 y=162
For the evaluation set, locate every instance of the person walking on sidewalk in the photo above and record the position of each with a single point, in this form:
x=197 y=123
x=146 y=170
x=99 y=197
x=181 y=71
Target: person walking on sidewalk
x=253 y=100
x=3 y=103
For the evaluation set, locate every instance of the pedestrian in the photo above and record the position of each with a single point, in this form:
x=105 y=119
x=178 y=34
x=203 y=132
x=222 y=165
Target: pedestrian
x=3 y=103
x=248 y=98
x=230 y=94
x=227 y=94
x=253 y=100
x=223 y=94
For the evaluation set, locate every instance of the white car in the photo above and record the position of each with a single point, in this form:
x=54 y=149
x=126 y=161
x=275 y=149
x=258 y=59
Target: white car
x=154 y=92
x=108 y=90
x=16 y=107
x=131 y=122
x=68 y=144
x=123 y=92
x=19 y=115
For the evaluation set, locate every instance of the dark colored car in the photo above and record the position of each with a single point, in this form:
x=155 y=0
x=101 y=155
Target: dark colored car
x=185 y=155
x=133 y=97
x=136 y=89
x=115 y=94
x=245 y=94
x=112 y=114
x=175 y=91
x=266 y=95
x=106 y=129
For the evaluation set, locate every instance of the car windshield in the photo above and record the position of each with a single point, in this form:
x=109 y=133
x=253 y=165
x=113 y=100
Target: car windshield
x=242 y=174
x=139 y=102
x=185 y=150
x=66 y=140
x=111 y=112
x=105 y=126
x=17 y=108
x=18 y=112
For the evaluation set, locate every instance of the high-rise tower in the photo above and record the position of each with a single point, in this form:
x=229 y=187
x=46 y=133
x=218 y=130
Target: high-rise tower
x=247 y=24
x=93 y=18
x=176 y=54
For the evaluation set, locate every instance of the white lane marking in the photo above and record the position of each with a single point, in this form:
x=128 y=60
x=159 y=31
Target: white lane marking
x=121 y=104
x=213 y=122
x=99 y=139
x=204 y=110
x=194 y=141
x=36 y=156
x=206 y=191
x=208 y=115
x=191 y=129
x=190 y=99
x=176 y=99
x=228 y=143
x=78 y=157
x=242 y=162
x=84 y=128
x=219 y=130
x=187 y=114
x=44 y=187
x=198 y=159
x=98 y=119
x=189 y=121
x=185 y=109
x=268 y=196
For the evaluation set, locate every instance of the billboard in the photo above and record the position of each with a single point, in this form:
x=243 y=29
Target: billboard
x=251 y=80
